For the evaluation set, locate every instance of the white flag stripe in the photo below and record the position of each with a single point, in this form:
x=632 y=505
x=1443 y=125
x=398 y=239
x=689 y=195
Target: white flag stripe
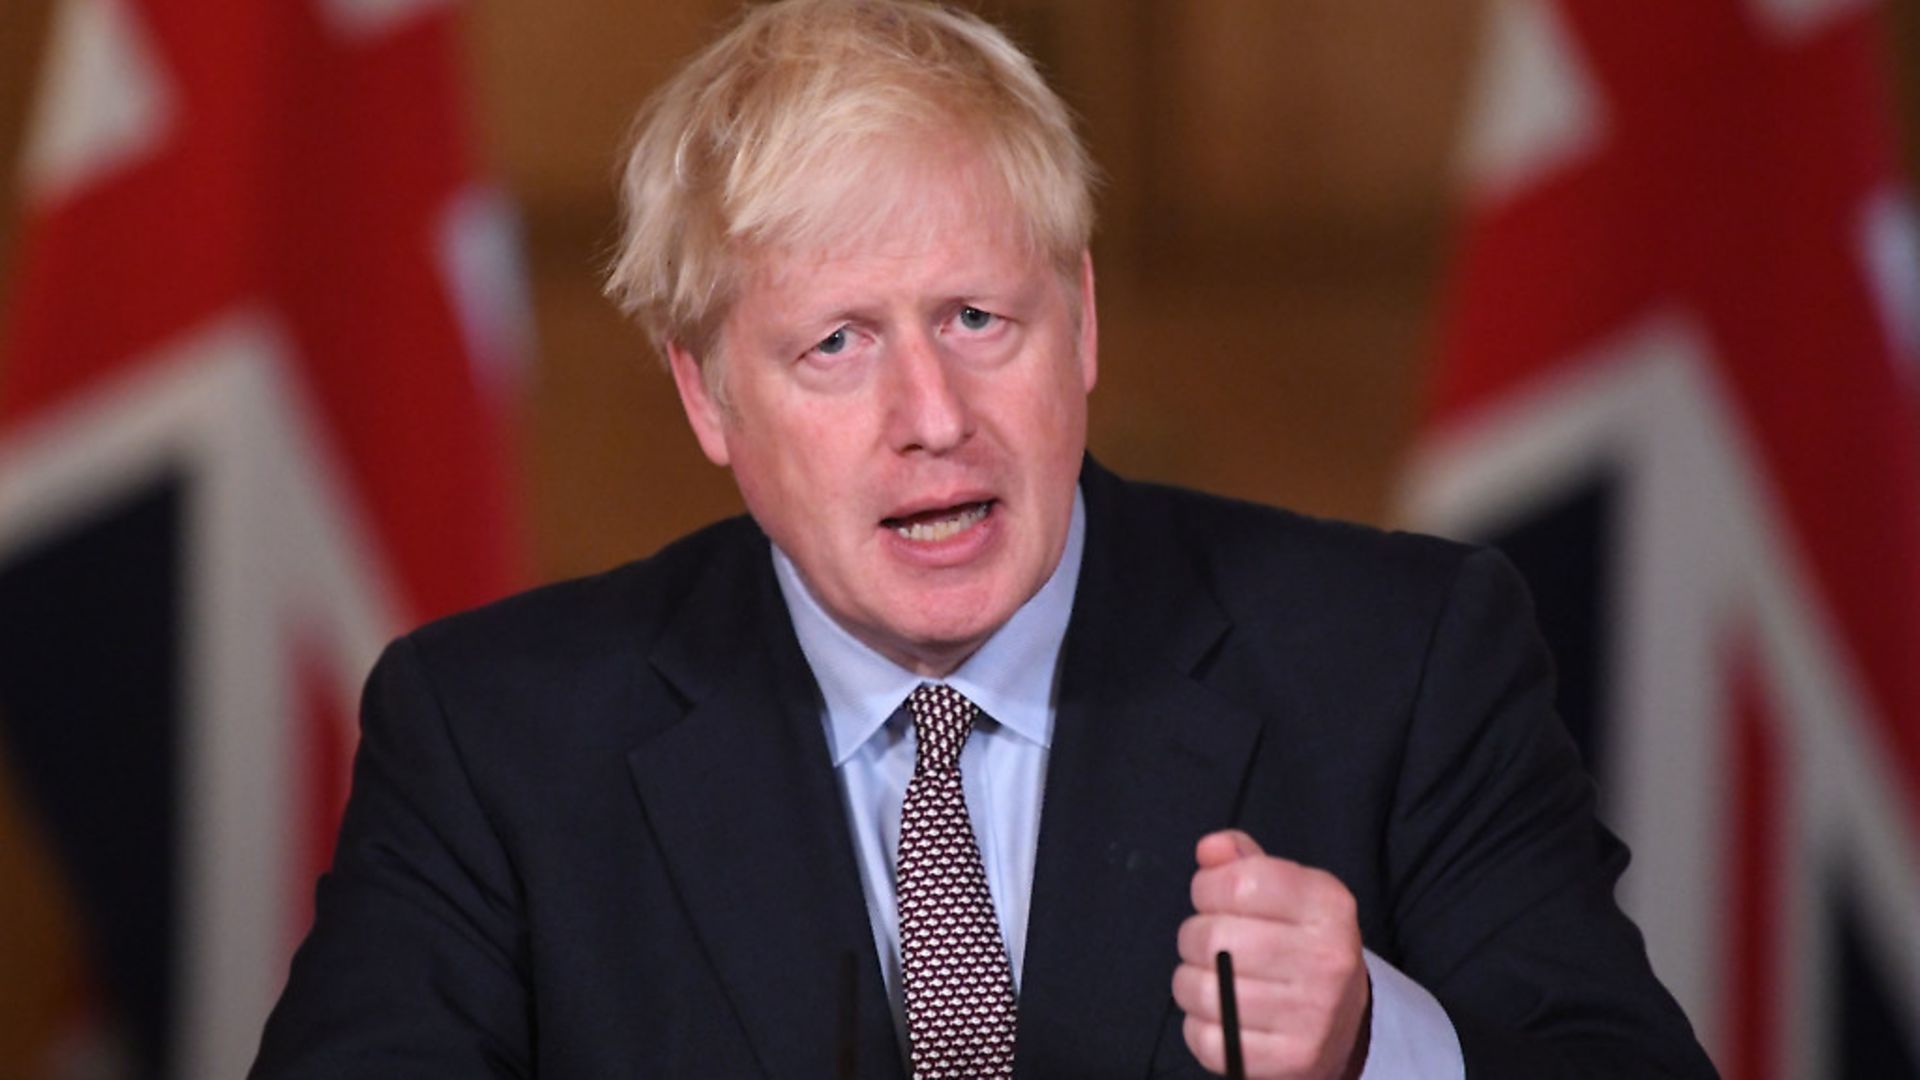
x=280 y=555
x=1532 y=107
x=103 y=103
x=1889 y=242
x=371 y=18
x=479 y=252
x=1793 y=19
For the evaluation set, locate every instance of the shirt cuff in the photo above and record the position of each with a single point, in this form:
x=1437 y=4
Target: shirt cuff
x=1411 y=1036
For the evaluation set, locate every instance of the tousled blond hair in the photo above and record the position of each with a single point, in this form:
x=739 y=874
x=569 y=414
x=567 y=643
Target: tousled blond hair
x=772 y=136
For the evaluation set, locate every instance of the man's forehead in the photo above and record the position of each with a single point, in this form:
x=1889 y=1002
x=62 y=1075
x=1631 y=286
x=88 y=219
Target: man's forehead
x=878 y=197
x=902 y=234
x=968 y=256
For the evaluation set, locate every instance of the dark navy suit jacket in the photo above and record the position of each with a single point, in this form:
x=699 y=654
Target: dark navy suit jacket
x=594 y=830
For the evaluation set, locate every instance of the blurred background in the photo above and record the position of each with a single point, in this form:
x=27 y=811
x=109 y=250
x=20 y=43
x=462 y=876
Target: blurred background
x=303 y=343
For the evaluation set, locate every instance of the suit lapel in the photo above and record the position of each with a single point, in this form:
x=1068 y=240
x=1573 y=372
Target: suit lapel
x=1146 y=759
x=743 y=804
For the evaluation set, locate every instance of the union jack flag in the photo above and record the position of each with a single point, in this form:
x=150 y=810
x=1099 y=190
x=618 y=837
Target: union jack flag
x=1677 y=385
x=263 y=351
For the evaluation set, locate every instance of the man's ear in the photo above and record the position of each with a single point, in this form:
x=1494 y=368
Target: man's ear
x=704 y=414
x=1089 y=325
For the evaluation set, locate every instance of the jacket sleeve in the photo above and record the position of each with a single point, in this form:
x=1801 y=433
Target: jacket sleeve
x=417 y=961
x=1502 y=877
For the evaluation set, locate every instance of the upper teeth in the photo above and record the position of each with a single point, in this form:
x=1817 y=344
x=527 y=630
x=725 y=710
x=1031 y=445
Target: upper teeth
x=944 y=527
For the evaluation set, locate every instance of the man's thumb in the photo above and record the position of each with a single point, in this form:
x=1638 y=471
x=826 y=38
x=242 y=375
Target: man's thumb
x=1220 y=848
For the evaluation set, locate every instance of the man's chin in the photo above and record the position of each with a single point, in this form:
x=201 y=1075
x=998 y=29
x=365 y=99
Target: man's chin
x=936 y=646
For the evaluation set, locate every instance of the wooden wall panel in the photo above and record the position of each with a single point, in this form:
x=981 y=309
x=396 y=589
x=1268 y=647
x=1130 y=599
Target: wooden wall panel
x=1311 y=109
x=559 y=82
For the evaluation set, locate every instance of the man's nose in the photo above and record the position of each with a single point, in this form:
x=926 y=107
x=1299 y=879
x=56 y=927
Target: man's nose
x=927 y=404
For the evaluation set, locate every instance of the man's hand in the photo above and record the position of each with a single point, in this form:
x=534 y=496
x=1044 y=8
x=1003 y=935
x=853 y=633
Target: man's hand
x=1299 y=976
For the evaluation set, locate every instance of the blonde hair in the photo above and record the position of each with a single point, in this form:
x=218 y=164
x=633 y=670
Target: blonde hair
x=769 y=138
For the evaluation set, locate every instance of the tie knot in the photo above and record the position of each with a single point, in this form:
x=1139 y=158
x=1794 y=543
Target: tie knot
x=942 y=718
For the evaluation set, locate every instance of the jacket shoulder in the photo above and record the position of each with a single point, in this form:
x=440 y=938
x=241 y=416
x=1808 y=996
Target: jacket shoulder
x=1249 y=547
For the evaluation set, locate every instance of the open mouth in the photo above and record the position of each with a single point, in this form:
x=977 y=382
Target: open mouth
x=931 y=526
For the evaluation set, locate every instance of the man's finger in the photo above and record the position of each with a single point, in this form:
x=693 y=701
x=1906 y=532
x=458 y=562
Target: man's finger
x=1224 y=846
x=1266 y=1054
x=1265 y=1005
x=1257 y=951
x=1263 y=949
x=1273 y=888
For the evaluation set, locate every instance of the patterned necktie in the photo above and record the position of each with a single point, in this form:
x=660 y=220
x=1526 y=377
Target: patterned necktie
x=959 y=984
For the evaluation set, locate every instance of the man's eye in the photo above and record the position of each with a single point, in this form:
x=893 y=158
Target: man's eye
x=972 y=318
x=833 y=343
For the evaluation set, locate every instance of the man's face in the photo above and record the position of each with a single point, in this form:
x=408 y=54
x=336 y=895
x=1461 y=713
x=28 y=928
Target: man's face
x=906 y=415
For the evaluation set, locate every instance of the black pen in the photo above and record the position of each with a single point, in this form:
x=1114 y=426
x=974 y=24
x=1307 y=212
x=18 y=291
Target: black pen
x=1230 y=1016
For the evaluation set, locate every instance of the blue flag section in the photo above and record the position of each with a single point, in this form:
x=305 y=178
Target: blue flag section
x=90 y=701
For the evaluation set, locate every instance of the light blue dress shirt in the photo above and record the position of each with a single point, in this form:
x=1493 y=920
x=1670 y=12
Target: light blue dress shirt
x=1013 y=678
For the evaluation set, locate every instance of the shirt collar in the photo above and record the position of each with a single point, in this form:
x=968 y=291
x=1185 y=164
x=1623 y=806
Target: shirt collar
x=1011 y=676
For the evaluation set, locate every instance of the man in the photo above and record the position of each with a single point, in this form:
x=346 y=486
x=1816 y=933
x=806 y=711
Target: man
x=961 y=756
